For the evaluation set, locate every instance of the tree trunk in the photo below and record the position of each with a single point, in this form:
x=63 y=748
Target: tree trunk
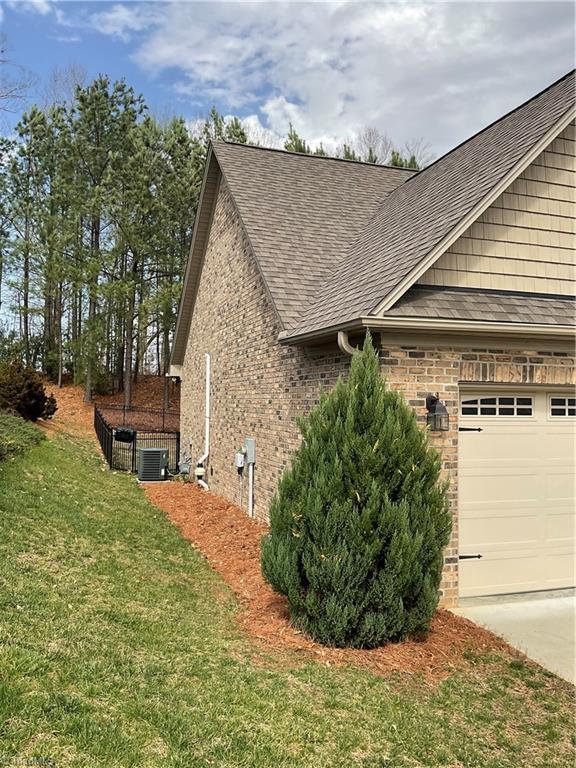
x=26 y=292
x=58 y=322
x=166 y=352
x=93 y=287
x=128 y=344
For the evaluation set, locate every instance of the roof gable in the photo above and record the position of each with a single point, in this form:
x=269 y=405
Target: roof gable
x=525 y=240
x=300 y=212
x=415 y=224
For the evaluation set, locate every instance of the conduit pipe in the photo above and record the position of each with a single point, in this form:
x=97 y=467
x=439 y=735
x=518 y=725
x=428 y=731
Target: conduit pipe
x=250 y=489
x=202 y=460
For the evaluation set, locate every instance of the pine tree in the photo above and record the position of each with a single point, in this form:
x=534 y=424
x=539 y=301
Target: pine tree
x=401 y=161
x=295 y=143
x=360 y=520
x=371 y=157
x=348 y=153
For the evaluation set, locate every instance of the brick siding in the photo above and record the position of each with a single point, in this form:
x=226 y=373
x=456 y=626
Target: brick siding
x=259 y=387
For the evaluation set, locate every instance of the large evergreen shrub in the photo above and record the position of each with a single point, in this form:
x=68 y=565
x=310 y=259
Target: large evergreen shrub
x=360 y=520
x=22 y=392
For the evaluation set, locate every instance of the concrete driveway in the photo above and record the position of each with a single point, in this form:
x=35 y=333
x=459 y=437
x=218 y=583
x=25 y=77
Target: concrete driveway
x=541 y=625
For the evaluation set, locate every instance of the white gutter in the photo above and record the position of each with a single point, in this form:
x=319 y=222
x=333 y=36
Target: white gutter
x=206 y=453
x=423 y=324
x=427 y=324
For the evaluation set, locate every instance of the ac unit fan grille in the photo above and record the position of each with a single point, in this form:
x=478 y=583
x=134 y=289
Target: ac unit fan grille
x=152 y=463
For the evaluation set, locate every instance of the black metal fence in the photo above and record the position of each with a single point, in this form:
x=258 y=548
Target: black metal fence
x=123 y=455
x=137 y=417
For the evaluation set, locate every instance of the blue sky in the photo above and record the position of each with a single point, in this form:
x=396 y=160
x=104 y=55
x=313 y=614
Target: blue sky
x=440 y=71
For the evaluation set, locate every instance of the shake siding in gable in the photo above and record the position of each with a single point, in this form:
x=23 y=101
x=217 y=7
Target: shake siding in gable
x=525 y=241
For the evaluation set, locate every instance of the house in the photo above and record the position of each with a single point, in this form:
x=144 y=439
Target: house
x=464 y=274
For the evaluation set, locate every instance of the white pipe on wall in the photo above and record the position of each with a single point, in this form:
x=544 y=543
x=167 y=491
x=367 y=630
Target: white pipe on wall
x=206 y=453
x=250 y=490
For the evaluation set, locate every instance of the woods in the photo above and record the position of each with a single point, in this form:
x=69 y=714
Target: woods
x=97 y=206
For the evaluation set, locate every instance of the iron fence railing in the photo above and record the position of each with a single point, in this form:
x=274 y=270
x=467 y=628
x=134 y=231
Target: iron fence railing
x=122 y=455
x=138 y=417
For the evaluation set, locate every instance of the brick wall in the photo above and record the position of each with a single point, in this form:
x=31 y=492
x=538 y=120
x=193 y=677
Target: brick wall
x=259 y=387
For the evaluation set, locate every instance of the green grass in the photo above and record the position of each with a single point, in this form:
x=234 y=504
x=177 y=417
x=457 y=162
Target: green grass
x=16 y=435
x=119 y=647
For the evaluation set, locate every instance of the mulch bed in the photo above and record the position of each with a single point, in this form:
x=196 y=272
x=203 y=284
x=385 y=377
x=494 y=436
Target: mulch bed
x=230 y=541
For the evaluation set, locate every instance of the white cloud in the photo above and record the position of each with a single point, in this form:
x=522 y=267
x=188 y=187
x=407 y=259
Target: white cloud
x=42 y=7
x=122 y=20
x=438 y=70
x=67 y=38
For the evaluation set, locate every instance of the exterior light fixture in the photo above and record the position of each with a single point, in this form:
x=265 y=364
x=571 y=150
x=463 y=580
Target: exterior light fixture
x=437 y=418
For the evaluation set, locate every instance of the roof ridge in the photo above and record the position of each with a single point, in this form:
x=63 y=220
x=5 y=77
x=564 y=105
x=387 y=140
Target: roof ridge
x=494 y=122
x=411 y=171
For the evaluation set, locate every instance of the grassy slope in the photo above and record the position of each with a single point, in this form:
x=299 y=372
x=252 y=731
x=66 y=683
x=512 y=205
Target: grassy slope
x=16 y=435
x=118 y=647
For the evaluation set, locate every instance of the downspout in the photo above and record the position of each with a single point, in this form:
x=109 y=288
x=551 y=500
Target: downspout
x=344 y=344
x=201 y=461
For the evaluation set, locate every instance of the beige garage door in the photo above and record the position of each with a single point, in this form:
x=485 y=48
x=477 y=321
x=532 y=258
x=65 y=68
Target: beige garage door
x=516 y=491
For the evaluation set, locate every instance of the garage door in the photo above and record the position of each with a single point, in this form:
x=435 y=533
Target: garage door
x=516 y=491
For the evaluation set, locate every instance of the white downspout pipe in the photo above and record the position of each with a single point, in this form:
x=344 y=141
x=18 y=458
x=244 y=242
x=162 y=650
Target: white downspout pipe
x=206 y=453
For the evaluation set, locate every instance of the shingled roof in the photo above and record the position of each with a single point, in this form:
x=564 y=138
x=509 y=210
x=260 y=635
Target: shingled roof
x=438 y=303
x=421 y=215
x=300 y=212
x=339 y=243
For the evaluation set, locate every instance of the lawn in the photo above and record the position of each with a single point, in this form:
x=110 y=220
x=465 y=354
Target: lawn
x=119 y=647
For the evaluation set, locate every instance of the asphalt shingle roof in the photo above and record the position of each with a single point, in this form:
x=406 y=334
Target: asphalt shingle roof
x=300 y=212
x=488 y=306
x=418 y=215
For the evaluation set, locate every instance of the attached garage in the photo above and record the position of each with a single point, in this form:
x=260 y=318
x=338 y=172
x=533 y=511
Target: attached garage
x=516 y=490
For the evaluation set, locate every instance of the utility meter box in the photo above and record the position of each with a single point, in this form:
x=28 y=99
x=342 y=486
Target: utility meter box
x=250 y=450
x=239 y=460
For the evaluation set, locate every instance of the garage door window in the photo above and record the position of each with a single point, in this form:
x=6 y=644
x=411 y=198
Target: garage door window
x=505 y=405
x=563 y=406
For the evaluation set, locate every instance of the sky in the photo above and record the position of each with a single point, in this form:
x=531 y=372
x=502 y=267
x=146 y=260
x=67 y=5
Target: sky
x=439 y=71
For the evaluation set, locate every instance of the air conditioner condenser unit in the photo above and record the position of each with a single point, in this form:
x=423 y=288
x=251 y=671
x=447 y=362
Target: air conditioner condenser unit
x=152 y=464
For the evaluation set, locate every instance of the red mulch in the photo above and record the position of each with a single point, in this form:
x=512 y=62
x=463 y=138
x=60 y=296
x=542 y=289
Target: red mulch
x=230 y=541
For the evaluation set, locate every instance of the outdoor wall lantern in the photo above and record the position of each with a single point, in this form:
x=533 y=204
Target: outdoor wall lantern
x=437 y=418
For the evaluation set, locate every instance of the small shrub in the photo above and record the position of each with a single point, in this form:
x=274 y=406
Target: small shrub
x=360 y=520
x=22 y=392
x=16 y=435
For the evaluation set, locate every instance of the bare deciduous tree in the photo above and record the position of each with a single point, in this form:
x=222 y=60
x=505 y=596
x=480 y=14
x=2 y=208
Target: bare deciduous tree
x=15 y=80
